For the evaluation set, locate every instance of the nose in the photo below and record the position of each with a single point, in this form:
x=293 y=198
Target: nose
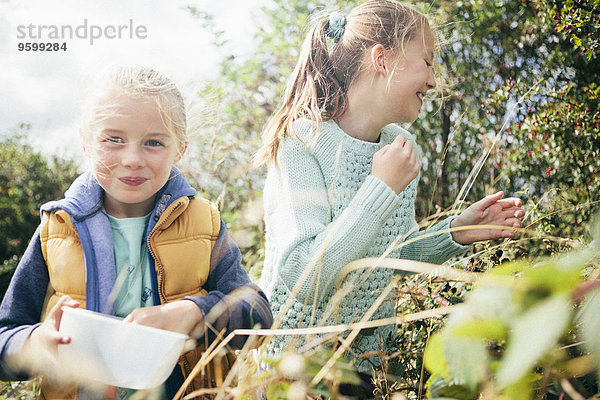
x=431 y=83
x=132 y=156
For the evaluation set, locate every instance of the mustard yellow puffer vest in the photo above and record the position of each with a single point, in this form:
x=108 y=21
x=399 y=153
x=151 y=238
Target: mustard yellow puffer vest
x=180 y=244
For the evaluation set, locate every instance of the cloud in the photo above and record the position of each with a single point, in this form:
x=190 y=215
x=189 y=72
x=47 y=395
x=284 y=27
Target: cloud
x=44 y=88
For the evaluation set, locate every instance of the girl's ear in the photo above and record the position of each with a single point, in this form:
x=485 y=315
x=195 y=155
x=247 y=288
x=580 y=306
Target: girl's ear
x=378 y=58
x=181 y=153
x=83 y=147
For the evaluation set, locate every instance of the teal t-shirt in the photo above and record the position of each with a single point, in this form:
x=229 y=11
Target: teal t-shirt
x=134 y=283
x=133 y=286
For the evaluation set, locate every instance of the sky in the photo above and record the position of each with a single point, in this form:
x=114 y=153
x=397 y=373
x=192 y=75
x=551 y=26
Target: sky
x=45 y=88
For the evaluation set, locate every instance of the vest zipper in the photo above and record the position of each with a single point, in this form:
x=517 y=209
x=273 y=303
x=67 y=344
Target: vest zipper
x=187 y=370
x=157 y=264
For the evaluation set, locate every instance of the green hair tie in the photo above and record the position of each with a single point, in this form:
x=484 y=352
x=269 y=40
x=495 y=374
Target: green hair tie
x=337 y=24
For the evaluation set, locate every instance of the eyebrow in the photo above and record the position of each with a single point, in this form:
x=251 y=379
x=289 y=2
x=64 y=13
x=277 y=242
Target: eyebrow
x=111 y=130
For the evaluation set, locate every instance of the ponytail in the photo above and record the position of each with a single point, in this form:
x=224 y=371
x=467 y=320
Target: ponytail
x=313 y=91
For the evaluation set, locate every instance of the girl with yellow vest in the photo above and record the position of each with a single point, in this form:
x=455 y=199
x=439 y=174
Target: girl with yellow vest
x=133 y=219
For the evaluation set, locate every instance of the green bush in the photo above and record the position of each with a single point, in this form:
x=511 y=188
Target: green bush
x=28 y=179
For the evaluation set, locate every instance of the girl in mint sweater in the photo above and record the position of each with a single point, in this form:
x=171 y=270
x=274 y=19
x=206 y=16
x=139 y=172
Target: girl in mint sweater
x=343 y=176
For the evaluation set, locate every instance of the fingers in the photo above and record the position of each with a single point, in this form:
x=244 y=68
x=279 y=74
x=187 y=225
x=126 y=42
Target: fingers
x=511 y=213
x=510 y=218
x=396 y=164
x=511 y=210
x=137 y=315
x=510 y=202
x=383 y=150
x=47 y=338
x=517 y=202
x=55 y=314
x=489 y=200
x=494 y=234
x=66 y=301
x=519 y=213
x=179 y=316
x=506 y=234
x=58 y=338
x=404 y=145
x=47 y=335
x=399 y=144
x=513 y=222
x=399 y=141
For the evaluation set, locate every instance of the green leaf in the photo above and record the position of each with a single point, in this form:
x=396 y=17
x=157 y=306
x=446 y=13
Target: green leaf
x=533 y=334
x=508 y=269
x=557 y=275
x=458 y=392
x=595 y=231
x=277 y=390
x=440 y=389
x=522 y=389
x=434 y=358
x=434 y=384
x=590 y=326
x=467 y=360
x=443 y=398
x=487 y=302
x=485 y=328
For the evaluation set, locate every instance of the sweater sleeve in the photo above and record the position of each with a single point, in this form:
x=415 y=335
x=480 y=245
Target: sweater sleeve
x=233 y=301
x=21 y=307
x=307 y=250
x=435 y=249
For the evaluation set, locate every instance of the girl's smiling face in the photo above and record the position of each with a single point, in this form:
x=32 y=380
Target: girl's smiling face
x=412 y=77
x=132 y=153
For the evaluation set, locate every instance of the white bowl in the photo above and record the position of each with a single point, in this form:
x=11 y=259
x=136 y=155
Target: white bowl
x=110 y=351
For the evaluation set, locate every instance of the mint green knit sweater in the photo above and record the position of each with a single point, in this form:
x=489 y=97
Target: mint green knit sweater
x=324 y=209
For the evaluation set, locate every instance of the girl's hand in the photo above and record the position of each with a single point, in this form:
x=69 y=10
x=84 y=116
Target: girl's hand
x=491 y=210
x=46 y=336
x=179 y=316
x=396 y=164
x=41 y=348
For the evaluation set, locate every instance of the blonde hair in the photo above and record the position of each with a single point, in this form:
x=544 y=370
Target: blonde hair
x=136 y=82
x=320 y=81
